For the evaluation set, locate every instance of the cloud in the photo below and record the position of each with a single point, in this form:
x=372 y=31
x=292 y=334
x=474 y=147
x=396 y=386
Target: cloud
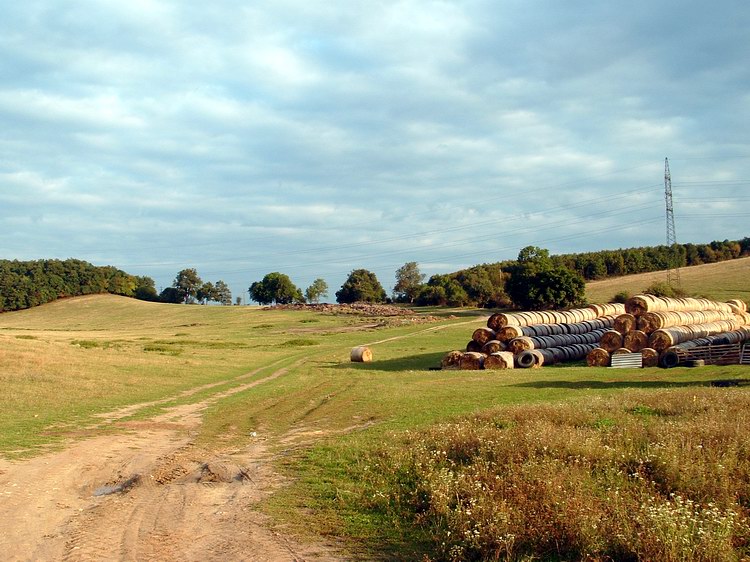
x=315 y=138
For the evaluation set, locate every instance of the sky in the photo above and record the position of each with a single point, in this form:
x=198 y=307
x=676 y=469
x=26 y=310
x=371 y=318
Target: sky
x=314 y=138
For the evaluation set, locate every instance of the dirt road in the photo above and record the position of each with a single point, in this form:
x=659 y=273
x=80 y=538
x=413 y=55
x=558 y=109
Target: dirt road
x=147 y=493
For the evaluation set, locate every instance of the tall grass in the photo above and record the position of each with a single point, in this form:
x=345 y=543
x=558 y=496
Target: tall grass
x=645 y=476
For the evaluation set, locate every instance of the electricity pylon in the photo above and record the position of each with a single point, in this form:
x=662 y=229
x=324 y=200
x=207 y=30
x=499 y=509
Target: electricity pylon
x=673 y=273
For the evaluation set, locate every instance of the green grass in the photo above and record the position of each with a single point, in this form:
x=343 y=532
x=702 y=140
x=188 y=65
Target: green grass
x=326 y=418
x=720 y=281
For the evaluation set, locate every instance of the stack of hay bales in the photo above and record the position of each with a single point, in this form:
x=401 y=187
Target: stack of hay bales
x=533 y=339
x=651 y=325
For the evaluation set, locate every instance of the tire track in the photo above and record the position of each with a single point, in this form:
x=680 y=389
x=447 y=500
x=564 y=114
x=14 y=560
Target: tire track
x=188 y=503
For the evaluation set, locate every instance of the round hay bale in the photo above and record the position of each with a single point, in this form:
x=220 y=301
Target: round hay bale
x=625 y=323
x=527 y=359
x=507 y=333
x=451 y=361
x=611 y=340
x=471 y=361
x=483 y=335
x=361 y=354
x=493 y=346
x=670 y=358
x=650 y=357
x=474 y=347
x=517 y=345
x=598 y=357
x=499 y=360
x=635 y=340
x=621 y=351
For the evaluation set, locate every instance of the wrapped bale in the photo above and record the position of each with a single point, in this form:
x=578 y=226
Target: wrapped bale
x=650 y=357
x=493 y=346
x=598 y=357
x=635 y=340
x=361 y=354
x=471 y=361
x=452 y=360
x=611 y=340
x=499 y=360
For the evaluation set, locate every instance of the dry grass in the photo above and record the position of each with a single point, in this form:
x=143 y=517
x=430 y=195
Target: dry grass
x=721 y=281
x=646 y=476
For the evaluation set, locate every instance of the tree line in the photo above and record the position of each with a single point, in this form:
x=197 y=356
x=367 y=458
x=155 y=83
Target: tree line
x=535 y=280
x=24 y=284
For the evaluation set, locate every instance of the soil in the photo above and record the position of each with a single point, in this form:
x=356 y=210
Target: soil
x=148 y=492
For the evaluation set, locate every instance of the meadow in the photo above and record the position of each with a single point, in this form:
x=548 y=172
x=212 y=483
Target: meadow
x=394 y=459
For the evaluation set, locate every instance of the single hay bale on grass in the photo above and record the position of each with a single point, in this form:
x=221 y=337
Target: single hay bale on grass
x=598 y=357
x=611 y=340
x=650 y=357
x=499 y=360
x=452 y=360
x=471 y=361
x=361 y=354
x=635 y=340
x=625 y=323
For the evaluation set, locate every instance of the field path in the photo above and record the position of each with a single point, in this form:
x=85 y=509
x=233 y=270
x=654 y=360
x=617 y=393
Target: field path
x=148 y=493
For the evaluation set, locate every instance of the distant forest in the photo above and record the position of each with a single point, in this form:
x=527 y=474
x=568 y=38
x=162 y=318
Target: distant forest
x=484 y=285
x=24 y=284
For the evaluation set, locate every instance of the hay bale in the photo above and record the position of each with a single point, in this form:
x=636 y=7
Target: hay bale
x=611 y=340
x=493 y=346
x=625 y=323
x=474 y=346
x=471 y=361
x=451 y=361
x=598 y=357
x=635 y=340
x=483 y=335
x=361 y=354
x=499 y=360
x=649 y=357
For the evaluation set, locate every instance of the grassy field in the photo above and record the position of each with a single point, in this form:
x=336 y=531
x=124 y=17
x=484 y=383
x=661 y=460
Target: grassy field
x=721 y=281
x=329 y=421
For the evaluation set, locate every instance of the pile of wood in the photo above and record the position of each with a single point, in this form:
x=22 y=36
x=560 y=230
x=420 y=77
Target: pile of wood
x=654 y=325
x=533 y=339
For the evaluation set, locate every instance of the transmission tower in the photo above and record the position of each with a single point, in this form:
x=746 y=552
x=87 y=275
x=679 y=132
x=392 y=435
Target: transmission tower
x=673 y=273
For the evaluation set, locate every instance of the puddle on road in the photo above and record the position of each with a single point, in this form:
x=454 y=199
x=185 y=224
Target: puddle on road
x=121 y=487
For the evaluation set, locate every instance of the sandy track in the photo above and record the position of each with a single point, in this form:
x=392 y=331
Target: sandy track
x=146 y=494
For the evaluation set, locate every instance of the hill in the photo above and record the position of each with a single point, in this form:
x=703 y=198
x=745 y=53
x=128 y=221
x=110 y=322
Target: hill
x=721 y=281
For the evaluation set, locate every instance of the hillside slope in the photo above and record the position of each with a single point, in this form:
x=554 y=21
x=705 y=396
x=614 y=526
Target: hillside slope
x=720 y=281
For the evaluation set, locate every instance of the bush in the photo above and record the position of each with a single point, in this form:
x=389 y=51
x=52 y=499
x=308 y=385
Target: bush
x=662 y=289
x=621 y=297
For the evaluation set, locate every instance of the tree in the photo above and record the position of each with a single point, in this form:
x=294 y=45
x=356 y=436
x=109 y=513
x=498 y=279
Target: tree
x=206 y=293
x=187 y=284
x=318 y=289
x=408 y=282
x=536 y=283
x=275 y=288
x=145 y=289
x=171 y=295
x=222 y=293
x=361 y=286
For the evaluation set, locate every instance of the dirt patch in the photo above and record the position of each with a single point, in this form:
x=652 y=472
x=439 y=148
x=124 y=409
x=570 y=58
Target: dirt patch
x=147 y=494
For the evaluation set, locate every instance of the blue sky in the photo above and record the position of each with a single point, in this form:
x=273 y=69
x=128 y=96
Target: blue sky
x=314 y=138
